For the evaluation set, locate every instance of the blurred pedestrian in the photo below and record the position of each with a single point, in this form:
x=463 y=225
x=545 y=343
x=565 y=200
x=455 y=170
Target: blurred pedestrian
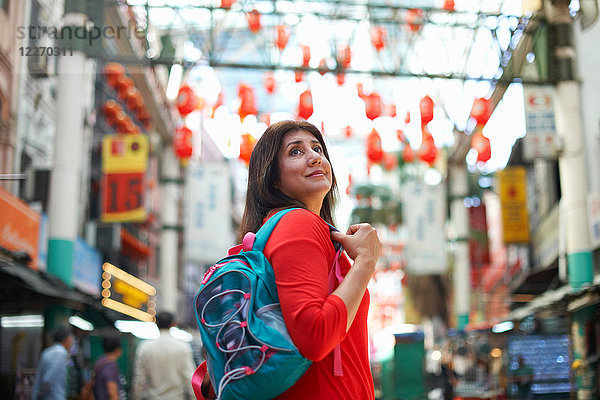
x=523 y=377
x=51 y=379
x=106 y=376
x=164 y=366
x=448 y=377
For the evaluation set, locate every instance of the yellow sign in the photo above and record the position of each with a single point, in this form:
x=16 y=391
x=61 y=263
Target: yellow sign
x=124 y=164
x=124 y=153
x=127 y=294
x=512 y=187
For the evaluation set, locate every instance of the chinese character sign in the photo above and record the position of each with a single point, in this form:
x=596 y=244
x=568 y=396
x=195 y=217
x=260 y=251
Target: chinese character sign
x=208 y=232
x=124 y=165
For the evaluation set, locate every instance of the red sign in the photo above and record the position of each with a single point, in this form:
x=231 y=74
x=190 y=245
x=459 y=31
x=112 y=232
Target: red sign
x=19 y=226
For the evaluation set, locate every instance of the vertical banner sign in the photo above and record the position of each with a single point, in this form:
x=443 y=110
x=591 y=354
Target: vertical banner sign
x=513 y=200
x=540 y=140
x=124 y=165
x=425 y=215
x=19 y=226
x=208 y=216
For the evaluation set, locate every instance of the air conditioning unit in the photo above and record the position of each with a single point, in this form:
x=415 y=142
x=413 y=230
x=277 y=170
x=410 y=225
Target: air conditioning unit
x=41 y=66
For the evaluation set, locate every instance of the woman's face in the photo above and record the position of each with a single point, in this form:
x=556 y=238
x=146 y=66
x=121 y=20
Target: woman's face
x=304 y=171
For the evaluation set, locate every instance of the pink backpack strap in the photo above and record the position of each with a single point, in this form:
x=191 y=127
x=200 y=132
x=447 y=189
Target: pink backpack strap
x=248 y=241
x=197 y=379
x=336 y=275
x=234 y=250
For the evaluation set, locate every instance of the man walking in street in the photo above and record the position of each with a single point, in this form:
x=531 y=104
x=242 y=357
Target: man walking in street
x=51 y=380
x=106 y=371
x=164 y=366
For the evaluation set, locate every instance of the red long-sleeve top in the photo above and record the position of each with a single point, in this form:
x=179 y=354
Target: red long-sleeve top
x=302 y=254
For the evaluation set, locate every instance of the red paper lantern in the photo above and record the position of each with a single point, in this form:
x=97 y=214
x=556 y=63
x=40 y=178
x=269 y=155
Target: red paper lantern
x=341 y=78
x=120 y=121
x=390 y=110
x=123 y=83
x=449 y=5
x=426 y=107
x=360 y=90
x=349 y=187
x=414 y=18
x=110 y=108
x=298 y=75
x=305 y=55
x=247 y=101
x=408 y=154
x=323 y=66
x=282 y=35
x=305 y=105
x=253 y=18
x=374 y=149
x=112 y=72
x=247 y=144
x=428 y=152
x=227 y=3
x=400 y=135
x=187 y=101
x=270 y=83
x=373 y=105
x=348 y=131
x=407 y=118
x=378 y=37
x=481 y=110
x=482 y=145
x=345 y=57
x=390 y=161
x=133 y=98
x=182 y=142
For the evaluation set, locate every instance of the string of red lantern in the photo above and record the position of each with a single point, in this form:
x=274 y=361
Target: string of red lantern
x=374 y=149
x=378 y=37
x=373 y=105
x=427 y=152
x=253 y=18
x=282 y=35
x=426 y=108
x=247 y=101
x=247 y=144
x=187 y=101
x=482 y=145
x=269 y=83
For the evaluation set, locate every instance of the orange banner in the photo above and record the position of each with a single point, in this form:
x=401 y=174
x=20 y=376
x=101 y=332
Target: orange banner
x=512 y=190
x=19 y=226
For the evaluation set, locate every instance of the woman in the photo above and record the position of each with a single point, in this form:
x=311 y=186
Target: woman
x=290 y=167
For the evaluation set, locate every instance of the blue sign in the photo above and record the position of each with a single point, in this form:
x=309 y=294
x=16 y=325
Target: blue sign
x=87 y=264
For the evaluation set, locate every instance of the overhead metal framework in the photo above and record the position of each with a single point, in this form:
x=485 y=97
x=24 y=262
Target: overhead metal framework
x=476 y=41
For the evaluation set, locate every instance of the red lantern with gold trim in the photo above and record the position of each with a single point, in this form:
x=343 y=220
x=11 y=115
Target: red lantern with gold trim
x=426 y=108
x=247 y=144
x=305 y=105
x=482 y=145
x=282 y=35
x=373 y=105
x=481 y=110
x=374 y=149
x=378 y=37
x=182 y=142
x=253 y=18
x=187 y=101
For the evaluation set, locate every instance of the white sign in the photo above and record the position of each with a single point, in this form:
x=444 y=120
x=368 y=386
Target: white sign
x=594 y=213
x=540 y=140
x=425 y=215
x=208 y=232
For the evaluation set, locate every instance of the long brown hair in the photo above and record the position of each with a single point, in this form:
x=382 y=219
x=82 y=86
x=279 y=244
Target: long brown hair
x=263 y=173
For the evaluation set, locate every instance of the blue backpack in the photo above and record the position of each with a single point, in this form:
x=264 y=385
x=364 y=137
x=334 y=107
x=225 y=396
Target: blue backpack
x=250 y=354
